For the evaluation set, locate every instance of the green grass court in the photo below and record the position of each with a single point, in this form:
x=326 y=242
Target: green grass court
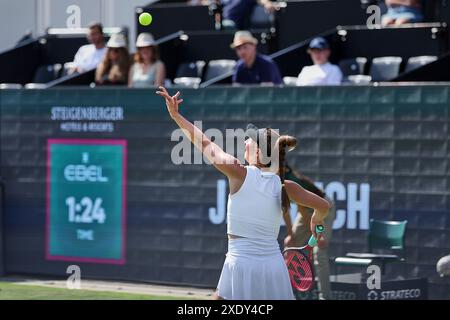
x=11 y=291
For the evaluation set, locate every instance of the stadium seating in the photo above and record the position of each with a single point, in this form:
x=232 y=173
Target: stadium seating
x=35 y=86
x=358 y=79
x=352 y=66
x=191 y=69
x=383 y=235
x=190 y=82
x=47 y=73
x=10 y=86
x=66 y=68
x=416 y=62
x=385 y=68
x=290 y=81
x=219 y=67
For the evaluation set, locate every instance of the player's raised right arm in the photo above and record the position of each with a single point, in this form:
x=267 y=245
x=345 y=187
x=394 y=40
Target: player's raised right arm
x=224 y=162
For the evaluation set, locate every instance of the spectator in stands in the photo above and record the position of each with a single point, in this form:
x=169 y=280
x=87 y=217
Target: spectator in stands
x=322 y=72
x=402 y=11
x=115 y=66
x=147 y=70
x=253 y=68
x=236 y=13
x=90 y=55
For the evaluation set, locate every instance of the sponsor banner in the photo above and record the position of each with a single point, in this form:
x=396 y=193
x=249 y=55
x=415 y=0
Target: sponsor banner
x=410 y=289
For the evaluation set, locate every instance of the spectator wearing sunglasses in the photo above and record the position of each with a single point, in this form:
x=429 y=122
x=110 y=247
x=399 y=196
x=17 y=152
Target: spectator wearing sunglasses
x=115 y=66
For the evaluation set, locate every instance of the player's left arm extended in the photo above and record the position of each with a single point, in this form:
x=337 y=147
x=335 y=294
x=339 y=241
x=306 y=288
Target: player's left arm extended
x=308 y=199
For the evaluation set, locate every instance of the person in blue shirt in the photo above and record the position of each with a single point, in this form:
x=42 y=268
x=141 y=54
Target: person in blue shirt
x=402 y=11
x=237 y=13
x=252 y=67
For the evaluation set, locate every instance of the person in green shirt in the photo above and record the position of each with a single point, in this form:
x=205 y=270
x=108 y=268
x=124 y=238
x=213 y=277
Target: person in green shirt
x=301 y=232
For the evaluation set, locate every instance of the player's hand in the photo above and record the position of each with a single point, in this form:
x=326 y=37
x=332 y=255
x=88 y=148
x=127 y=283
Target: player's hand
x=172 y=102
x=315 y=221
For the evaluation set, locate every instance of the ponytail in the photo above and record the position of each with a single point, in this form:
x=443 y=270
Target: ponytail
x=284 y=142
x=280 y=146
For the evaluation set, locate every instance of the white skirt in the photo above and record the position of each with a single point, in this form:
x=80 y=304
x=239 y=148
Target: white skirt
x=254 y=270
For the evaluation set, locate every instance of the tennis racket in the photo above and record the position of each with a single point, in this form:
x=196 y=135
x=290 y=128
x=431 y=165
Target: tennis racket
x=299 y=262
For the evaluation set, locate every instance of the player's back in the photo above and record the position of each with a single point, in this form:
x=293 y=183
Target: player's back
x=254 y=211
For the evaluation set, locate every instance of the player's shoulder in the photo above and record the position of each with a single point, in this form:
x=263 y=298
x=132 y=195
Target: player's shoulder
x=253 y=171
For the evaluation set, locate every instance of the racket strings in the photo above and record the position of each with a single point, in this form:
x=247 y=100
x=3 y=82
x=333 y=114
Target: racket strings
x=300 y=271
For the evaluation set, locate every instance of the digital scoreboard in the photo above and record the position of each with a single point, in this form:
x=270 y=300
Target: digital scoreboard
x=86 y=197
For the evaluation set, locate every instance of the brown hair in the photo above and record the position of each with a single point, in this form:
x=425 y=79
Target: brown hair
x=96 y=25
x=305 y=182
x=121 y=69
x=284 y=142
x=155 y=55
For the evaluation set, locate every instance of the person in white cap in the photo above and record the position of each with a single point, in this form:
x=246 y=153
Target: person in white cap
x=90 y=55
x=147 y=70
x=253 y=68
x=115 y=66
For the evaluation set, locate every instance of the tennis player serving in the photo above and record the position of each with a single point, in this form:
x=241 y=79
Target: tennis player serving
x=254 y=267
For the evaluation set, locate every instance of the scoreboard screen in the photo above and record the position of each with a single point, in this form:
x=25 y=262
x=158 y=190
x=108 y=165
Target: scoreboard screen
x=86 y=182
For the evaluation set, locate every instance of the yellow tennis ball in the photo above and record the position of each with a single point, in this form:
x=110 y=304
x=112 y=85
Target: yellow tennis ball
x=145 y=18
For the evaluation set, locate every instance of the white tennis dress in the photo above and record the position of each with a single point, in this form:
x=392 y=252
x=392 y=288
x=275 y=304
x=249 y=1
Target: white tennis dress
x=254 y=268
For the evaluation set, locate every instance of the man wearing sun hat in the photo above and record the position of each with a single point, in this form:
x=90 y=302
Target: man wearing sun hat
x=252 y=67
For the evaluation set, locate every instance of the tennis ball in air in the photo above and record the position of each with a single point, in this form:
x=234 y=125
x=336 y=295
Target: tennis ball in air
x=145 y=18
